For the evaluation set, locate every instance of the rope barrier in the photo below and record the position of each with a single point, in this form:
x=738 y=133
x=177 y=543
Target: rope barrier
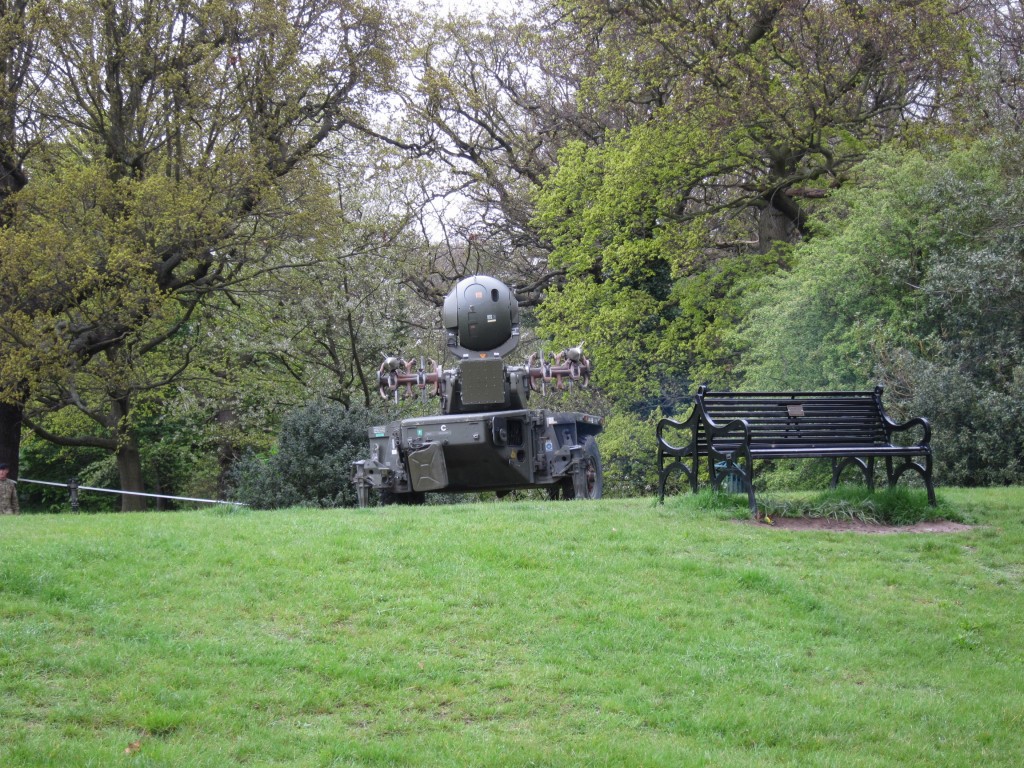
x=73 y=486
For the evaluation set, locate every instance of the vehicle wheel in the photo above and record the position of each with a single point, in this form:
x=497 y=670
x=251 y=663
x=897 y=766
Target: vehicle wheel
x=592 y=467
x=566 y=489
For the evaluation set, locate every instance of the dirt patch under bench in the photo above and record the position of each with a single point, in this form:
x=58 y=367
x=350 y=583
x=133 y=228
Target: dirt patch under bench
x=859 y=526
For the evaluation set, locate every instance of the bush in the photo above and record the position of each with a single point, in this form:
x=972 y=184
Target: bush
x=629 y=455
x=313 y=460
x=913 y=280
x=977 y=425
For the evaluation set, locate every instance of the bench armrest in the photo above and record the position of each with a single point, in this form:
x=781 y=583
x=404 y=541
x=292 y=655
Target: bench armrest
x=718 y=430
x=687 y=427
x=891 y=426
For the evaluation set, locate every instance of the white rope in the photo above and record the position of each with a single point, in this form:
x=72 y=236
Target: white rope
x=132 y=493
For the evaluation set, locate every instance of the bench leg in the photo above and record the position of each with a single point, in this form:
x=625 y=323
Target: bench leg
x=752 y=502
x=744 y=470
x=924 y=471
x=666 y=471
x=867 y=468
x=662 y=475
x=927 y=475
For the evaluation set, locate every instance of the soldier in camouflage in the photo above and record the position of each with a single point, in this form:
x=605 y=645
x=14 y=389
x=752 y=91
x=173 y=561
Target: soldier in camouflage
x=8 y=493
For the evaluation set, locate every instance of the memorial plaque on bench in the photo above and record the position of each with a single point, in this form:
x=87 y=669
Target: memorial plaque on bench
x=796 y=410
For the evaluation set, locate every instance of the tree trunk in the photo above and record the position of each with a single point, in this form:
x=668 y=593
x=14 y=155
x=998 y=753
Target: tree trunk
x=227 y=449
x=129 y=468
x=129 y=460
x=773 y=225
x=10 y=436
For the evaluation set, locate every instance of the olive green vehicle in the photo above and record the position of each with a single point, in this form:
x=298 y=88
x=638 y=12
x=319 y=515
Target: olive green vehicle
x=486 y=439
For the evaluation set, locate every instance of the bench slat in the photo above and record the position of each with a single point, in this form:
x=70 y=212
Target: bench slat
x=806 y=412
x=811 y=425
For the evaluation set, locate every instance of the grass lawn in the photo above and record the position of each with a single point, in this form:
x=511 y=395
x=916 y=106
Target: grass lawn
x=611 y=633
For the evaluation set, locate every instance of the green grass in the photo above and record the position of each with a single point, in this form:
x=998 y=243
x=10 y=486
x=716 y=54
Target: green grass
x=612 y=633
x=891 y=506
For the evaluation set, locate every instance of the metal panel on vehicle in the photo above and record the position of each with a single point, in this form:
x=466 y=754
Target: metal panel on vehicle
x=483 y=381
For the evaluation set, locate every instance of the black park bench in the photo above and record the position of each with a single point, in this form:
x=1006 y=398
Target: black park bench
x=733 y=429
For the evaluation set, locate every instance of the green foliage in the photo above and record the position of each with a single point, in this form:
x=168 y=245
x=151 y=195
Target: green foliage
x=619 y=328
x=913 y=280
x=171 y=164
x=854 y=289
x=179 y=453
x=45 y=461
x=193 y=236
x=665 y=222
x=709 y=308
x=978 y=422
x=312 y=464
x=798 y=475
x=609 y=210
x=628 y=461
x=653 y=310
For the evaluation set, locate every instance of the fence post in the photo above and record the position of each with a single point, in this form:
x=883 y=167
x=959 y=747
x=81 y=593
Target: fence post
x=73 y=488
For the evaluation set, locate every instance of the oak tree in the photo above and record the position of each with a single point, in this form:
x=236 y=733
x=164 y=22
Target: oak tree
x=758 y=109
x=178 y=137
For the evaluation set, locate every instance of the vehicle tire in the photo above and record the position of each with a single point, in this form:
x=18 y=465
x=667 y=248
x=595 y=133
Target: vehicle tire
x=565 y=488
x=592 y=466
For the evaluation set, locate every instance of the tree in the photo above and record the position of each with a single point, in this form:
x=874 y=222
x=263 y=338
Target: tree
x=786 y=96
x=914 y=280
x=998 y=93
x=758 y=110
x=182 y=135
x=323 y=327
x=489 y=106
x=18 y=40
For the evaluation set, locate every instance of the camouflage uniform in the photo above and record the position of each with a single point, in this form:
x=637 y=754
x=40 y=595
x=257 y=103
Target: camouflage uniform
x=8 y=497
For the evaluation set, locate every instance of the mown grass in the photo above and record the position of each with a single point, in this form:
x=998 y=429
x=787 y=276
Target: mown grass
x=615 y=633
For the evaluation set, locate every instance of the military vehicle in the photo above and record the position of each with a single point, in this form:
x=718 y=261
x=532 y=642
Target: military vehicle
x=486 y=439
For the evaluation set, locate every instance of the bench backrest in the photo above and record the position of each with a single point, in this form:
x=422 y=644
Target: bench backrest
x=801 y=418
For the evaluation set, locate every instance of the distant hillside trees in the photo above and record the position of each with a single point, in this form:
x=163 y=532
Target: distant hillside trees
x=213 y=212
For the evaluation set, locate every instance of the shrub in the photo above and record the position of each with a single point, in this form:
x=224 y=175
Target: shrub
x=978 y=425
x=628 y=455
x=312 y=462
